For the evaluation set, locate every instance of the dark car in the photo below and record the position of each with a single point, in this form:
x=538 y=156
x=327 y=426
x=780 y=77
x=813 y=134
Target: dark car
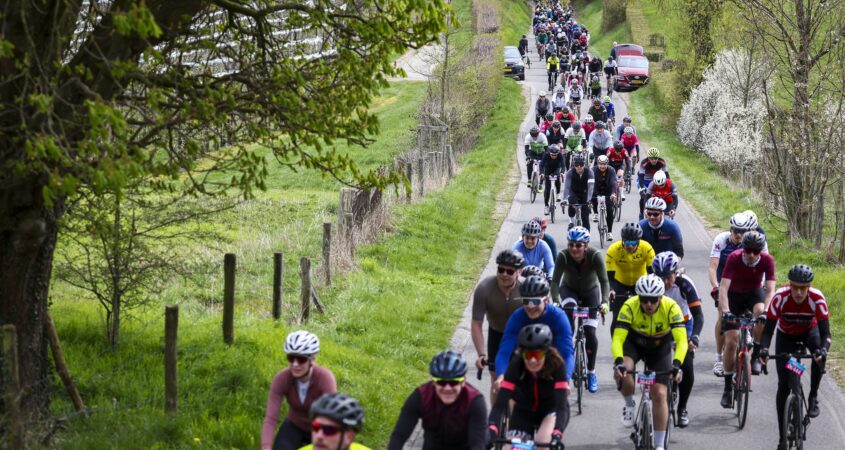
x=632 y=73
x=513 y=63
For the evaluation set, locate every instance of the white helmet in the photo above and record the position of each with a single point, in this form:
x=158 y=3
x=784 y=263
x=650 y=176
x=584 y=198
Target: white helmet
x=542 y=93
x=602 y=159
x=752 y=216
x=302 y=343
x=655 y=203
x=589 y=118
x=659 y=178
x=650 y=285
x=743 y=221
x=629 y=130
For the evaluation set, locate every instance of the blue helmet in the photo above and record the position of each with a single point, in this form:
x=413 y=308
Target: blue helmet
x=579 y=234
x=665 y=263
x=447 y=364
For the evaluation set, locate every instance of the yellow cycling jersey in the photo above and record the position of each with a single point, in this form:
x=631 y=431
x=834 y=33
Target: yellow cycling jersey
x=667 y=318
x=629 y=267
x=353 y=446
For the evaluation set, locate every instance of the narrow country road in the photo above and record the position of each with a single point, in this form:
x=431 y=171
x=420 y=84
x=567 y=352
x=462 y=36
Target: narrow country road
x=710 y=426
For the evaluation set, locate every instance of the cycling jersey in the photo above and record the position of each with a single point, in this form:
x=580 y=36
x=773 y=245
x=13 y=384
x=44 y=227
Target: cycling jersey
x=552 y=64
x=575 y=92
x=573 y=139
x=650 y=330
x=559 y=101
x=552 y=316
x=565 y=120
x=724 y=246
x=598 y=113
x=488 y=300
x=628 y=267
x=618 y=158
x=745 y=278
x=668 y=192
x=665 y=237
x=620 y=131
x=629 y=141
x=684 y=293
x=353 y=446
x=797 y=319
x=540 y=256
x=611 y=110
x=588 y=128
x=285 y=386
x=647 y=169
x=580 y=276
x=600 y=141
x=536 y=145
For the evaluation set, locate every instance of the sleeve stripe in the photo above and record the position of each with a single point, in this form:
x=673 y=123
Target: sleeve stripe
x=507 y=385
x=561 y=385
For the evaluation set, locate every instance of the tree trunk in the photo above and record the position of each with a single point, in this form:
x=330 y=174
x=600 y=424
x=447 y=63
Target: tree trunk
x=114 y=324
x=28 y=233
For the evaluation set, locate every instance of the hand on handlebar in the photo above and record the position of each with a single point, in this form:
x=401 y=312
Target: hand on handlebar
x=481 y=362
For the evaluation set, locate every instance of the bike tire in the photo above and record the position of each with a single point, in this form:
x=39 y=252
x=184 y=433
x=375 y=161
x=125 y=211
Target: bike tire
x=580 y=378
x=646 y=428
x=617 y=210
x=602 y=226
x=535 y=183
x=742 y=389
x=792 y=422
x=552 y=202
x=672 y=419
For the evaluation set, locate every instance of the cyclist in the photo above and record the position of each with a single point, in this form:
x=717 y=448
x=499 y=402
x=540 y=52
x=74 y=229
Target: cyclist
x=600 y=140
x=620 y=130
x=535 y=145
x=301 y=383
x=595 y=83
x=559 y=100
x=580 y=279
x=621 y=161
x=596 y=67
x=605 y=184
x=546 y=124
x=453 y=413
x=536 y=309
x=566 y=118
x=740 y=291
x=536 y=385
x=648 y=318
x=664 y=188
x=630 y=142
x=337 y=419
x=627 y=261
x=551 y=165
x=552 y=69
x=610 y=70
x=546 y=237
x=646 y=171
x=554 y=135
x=523 y=46
x=597 y=110
x=611 y=111
x=535 y=251
x=799 y=311
x=575 y=138
x=496 y=297
x=541 y=107
x=661 y=232
x=588 y=126
x=575 y=93
x=725 y=244
x=680 y=288
x=578 y=189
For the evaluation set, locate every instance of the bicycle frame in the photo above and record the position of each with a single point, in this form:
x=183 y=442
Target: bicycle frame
x=796 y=394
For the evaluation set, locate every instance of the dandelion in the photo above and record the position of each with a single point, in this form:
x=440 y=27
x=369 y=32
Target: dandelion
x=197 y=440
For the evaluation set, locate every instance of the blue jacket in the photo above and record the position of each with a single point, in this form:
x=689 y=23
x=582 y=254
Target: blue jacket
x=540 y=256
x=555 y=318
x=664 y=239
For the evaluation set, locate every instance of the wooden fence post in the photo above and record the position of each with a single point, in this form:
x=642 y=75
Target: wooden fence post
x=349 y=220
x=305 y=291
x=171 y=327
x=409 y=167
x=327 y=252
x=12 y=392
x=450 y=161
x=278 y=279
x=229 y=298
x=61 y=365
x=421 y=171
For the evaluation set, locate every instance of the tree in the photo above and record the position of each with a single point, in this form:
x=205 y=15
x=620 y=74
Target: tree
x=95 y=94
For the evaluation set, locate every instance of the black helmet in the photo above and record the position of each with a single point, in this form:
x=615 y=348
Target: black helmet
x=565 y=110
x=801 y=273
x=626 y=119
x=632 y=231
x=536 y=336
x=510 y=258
x=341 y=408
x=550 y=117
x=576 y=125
x=534 y=287
x=532 y=229
x=528 y=271
x=447 y=364
x=578 y=159
x=534 y=131
x=600 y=125
x=753 y=240
x=554 y=149
x=617 y=145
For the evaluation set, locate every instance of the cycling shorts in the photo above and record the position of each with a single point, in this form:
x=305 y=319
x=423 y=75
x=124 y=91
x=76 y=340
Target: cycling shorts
x=590 y=299
x=523 y=422
x=608 y=71
x=575 y=100
x=657 y=358
x=494 y=339
x=740 y=302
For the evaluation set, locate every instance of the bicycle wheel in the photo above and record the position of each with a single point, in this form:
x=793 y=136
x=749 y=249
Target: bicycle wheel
x=578 y=222
x=535 y=185
x=504 y=420
x=792 y=422
x=646 y=427
x=742 y=389
x=580 y=372
x=672 y=420
x=617 y=209
x=602 y=225
x=552 y=202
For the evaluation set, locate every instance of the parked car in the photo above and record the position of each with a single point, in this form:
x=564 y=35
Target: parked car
x=626 y=49
x=513 y=63
x=632 y=73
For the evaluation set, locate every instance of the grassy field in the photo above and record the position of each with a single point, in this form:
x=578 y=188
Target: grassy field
x=386 y=318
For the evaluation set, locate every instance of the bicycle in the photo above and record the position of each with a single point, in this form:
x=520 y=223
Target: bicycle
x=579 y=375
x=552 y=76
x=617 y=205
x=602 y=212
x=643 y=434
x=796 y=417
x=627 y=181
x=552 y=197
x=517 y=444
x=742 y=377
x=578 y=221
x=535 y=180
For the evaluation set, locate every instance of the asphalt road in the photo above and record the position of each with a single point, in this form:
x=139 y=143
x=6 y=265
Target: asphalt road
x=599 y=427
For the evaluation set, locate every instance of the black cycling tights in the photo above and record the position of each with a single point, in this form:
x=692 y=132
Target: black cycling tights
x=685 y=388
x=786 y=344
x=592 y=346
x=290 y=437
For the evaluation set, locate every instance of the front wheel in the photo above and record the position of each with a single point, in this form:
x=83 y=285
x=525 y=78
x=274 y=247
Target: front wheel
x=617 y=209
x=792 y=422
x=552 y=203
x=535 y=185
x=602 y=226
x=645 y=428
x=580 y=372
x=741 y=389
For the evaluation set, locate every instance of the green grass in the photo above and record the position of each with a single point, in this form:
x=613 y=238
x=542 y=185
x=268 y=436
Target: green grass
x=590 y=15
x=515 y=19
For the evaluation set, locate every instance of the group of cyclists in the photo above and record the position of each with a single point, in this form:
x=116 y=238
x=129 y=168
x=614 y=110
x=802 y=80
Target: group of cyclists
x=530 y=302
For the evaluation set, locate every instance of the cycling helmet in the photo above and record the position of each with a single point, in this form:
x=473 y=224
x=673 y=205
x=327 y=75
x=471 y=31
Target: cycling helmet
x=589 y=118
x=554 y=149
x=665 y=264
x=550 y=117
x=542 y=93
x=510 y=258
x=531 y=229
x=628 y=130
x=341 y=408
x=447 y=364
x=578 y=159
x=753 y=240
x=556 y=123
x=618 y=145
x=576 y=125
x=565 y=110
x=542 y=221
x=536 y=336
x=534 y=131
x=659 y=178
x=560 y=90
x=600 y=125
x=655 y=203
x=753 y=217
x=528 y=271
x=578 y=234
x=596 y=100
x=626 y=119
x=650 y=285
x=632 y=231
x=302 y=343
x=606 y=98
x=653 y=153
x=602 y=159
x=801 y=273
x=742 y=221
x=534 y=287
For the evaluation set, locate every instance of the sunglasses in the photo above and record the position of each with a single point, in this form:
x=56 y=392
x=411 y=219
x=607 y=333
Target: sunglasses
x=649 y=300
x=738 y=231
x=534 y=354
x=751 y=252
x=298 y=358
x=451 y=382
x=532 y=301
x=577 y=244
x=506 y=270
x=654 y=213
x=631 y=243
x=328 y=430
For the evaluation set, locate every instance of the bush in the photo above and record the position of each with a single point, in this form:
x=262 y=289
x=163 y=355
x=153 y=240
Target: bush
x=613 y=13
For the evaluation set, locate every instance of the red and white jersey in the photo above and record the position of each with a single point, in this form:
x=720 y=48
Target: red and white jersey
x=794 y=319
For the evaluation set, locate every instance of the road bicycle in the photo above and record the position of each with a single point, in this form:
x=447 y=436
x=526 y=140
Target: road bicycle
x=552 y=197
x=579 y=375
x=517 y=444
x=617 y=205
x=627 y=181
x=643 y=434
x=552 y=76
x=796 y=417
x=602 y=212
x=535 y=179
x=578 y=219
x=742 y=377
